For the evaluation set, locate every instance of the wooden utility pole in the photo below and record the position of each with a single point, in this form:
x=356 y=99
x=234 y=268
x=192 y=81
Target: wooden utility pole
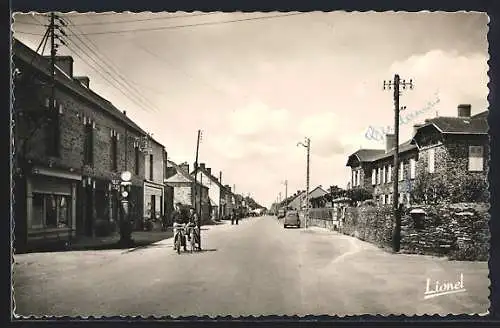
x=396 y=233
x=196 y=183
x=307 y=145
x=220 y=196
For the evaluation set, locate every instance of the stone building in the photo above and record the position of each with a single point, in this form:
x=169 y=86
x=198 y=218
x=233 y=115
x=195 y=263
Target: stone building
x=454 y=145
x=68 y=155
x=442 y=145
x=185 y=190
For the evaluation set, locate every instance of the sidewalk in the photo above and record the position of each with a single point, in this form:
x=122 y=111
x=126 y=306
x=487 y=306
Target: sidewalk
x=140 y=238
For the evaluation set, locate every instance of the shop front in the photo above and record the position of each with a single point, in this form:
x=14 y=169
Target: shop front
x=50 y=205
x=153 y=205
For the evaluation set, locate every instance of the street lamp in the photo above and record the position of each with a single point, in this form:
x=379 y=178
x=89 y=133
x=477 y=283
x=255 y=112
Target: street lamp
x=306 y=144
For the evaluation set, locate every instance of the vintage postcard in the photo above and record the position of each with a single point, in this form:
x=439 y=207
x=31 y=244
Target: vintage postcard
x=239 y=164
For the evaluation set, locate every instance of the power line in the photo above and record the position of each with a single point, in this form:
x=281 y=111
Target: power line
x=100 y=73
x=130 y=20
x=182 y=26
x=123 y=80
x=192 y=25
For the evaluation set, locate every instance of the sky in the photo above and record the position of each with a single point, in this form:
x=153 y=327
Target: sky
x=256 y=84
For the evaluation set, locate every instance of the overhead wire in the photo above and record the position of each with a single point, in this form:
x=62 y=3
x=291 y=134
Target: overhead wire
x=126 y=21
x=192 y=25
x=109 y=64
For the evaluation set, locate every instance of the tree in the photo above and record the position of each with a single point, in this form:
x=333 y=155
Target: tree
x=359 y=194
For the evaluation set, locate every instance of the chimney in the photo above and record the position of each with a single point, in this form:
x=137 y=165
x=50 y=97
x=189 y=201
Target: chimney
x=390 y=142
x=125 y=112
x=65 y=63
x=228 y=187
x=202 y=166
x=83 y=80
x=464 y=110
x=184 y=167
x=209 y=171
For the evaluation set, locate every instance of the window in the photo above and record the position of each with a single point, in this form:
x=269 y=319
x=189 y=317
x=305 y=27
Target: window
x=89 y=144
x=412 y=168
x=374 y=177
x=137 y=157
x=383 y=200
x=401 y=171
x=353 y=178
x=114 y=150
x=151 y=167
x=389 y=199
x=476 y=158
x=51 y=211
x=379 y=176
x=431 y=160
x=383 y=175
x=389 y=173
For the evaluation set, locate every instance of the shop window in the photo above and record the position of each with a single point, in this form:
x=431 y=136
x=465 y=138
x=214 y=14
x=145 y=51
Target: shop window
x=51 y=211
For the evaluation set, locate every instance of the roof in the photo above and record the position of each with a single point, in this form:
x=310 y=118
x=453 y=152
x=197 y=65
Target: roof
x=364 y=155
x=181 y=176
x=372 y=155
x=42 y=64
x=477 y=124
x=210 y=176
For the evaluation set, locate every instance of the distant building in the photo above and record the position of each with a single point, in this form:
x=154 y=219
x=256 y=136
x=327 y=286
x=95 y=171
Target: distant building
x=185 y=190
x=217 y=192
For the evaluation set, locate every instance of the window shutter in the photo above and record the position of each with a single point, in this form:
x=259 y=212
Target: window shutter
x=389 y=174
x=476 y=158
x=412 y=168
x=374 y=177
x=431 y=160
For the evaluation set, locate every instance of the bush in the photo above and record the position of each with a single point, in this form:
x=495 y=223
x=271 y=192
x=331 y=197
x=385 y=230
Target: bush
x=359 y=194
x=454 y=187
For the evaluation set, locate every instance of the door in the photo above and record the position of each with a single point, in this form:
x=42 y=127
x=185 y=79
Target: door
x=89 y=212
x=153 y=207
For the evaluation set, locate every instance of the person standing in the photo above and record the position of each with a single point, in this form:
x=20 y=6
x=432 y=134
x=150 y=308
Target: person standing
x=232 y=216
x=238 y=213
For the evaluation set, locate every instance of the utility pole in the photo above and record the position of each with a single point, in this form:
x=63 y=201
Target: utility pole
x=307 y=145
x=220 y=196
x=396 y=233
x=286 y=193
x=196 y=183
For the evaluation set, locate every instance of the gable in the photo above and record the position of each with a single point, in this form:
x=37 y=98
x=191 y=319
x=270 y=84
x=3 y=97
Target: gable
x=178 y=178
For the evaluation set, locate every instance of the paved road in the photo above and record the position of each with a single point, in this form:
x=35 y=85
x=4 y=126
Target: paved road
x=255 y=268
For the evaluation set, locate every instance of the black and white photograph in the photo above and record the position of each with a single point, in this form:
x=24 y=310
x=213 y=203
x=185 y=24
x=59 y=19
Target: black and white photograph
x=177 y=164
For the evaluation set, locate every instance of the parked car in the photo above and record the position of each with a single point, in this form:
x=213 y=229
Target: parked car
x=291 y=219
x=281 y=213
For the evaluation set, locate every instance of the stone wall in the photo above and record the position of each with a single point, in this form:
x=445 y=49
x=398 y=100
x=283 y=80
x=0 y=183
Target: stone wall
x=459 y=231
x=369 y=223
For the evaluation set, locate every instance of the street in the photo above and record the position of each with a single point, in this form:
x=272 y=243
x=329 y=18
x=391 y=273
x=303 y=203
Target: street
x=254 y=268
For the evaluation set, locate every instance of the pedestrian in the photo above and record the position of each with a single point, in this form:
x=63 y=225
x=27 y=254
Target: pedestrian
x=232 y=216
x=237 y=216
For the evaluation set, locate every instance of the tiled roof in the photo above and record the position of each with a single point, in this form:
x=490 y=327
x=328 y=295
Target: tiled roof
x=31 y=58
x=477 y=124
x=181 y=173
x=372 y=155
x=211 y=177
x=365 y=155
x=404 y=147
